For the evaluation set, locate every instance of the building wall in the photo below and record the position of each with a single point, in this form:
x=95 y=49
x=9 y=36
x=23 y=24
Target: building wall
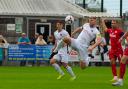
x=9 y=35
x=28 y=26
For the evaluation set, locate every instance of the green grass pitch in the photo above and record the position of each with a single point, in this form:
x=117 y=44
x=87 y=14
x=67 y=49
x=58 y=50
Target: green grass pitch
x=45 y=78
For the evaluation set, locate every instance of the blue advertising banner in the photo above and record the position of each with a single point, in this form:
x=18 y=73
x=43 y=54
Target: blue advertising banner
x=1 y=54
x=29 y=52
x=43 y=52
x=21 y=51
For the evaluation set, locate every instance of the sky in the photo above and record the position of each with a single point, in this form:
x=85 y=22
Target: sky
x=112 y=6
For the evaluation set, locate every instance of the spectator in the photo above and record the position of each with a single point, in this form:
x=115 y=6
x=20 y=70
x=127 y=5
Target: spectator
x=3 y=41
x=4 y=45
x=33 y=40
x=24 y=39
x=40 y=40
x=50 y=40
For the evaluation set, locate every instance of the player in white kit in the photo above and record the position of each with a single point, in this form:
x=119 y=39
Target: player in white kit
x=62 y=55
x=81 y=44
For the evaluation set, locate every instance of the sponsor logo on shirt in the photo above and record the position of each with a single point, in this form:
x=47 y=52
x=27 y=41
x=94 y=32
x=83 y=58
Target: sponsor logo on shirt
x=112 y=35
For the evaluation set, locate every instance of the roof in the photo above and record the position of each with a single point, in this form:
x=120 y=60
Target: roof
x=40 y=8
x=98 y=14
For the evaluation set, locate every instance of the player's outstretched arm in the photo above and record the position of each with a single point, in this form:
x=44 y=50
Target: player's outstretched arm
x=103 y=25
x=124 y=36
x=55 y=45
x=76 y=31
x=98 y=41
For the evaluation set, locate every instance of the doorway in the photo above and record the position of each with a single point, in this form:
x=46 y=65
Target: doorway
x=68 y=28
x=43 y=29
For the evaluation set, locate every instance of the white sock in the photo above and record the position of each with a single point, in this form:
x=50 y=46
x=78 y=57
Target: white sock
x=87 y=61
x=121 y=80
x=58 y=69
x=60 y=44
x=69 y=69
x=115 y=77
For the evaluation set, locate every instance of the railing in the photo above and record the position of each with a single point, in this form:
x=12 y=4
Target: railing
x=28 y=52
x=16 y=52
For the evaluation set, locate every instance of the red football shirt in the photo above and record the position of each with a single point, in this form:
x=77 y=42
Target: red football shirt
x=115 y=35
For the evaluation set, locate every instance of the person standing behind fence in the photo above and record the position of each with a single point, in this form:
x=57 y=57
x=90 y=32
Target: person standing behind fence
x=40 y=40
x=4 y=44
x=2 y=41
x=33 y=40
x=23 y=40
x=50 y=40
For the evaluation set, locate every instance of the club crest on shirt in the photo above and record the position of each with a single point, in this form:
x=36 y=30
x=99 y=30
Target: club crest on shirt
x=60 y=34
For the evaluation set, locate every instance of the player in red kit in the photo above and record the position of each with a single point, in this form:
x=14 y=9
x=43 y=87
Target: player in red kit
x=122 y=63
x=116 y=50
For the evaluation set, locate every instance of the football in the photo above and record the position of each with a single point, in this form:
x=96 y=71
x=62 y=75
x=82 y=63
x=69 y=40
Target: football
x=69 y=19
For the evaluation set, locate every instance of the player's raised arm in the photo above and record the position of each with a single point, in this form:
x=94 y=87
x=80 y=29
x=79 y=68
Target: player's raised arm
x=77 y=30
x=98 y=41
x=124 y=36
x=103 y=25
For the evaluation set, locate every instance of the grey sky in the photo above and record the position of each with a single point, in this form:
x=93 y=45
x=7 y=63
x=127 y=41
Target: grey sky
x=112 y=6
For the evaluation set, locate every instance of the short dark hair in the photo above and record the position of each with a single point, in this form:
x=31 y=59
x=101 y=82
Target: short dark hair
x=59 y=21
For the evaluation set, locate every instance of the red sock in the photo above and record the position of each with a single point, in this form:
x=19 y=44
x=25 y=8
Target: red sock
x=114 y=69
x=122 y=70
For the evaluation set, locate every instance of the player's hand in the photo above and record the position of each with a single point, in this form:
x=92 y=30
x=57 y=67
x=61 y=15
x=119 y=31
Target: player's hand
x=53 y=49
x=120 y=40
x=72 y=36
x=102 y=45
x=90 y=49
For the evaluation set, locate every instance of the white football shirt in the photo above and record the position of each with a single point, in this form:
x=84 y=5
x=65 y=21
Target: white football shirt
x=59 y=35
x=87 y=34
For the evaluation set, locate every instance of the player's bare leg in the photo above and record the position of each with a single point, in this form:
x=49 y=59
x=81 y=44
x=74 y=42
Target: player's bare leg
x=84 y=63
x=57 y=68
x=67 y=40
x=70 y=71
x=61 y=43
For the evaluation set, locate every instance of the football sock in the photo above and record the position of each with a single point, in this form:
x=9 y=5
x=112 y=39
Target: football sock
x=69 y=69
x=114 y=72
x=58 y=69
x=122 y=70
